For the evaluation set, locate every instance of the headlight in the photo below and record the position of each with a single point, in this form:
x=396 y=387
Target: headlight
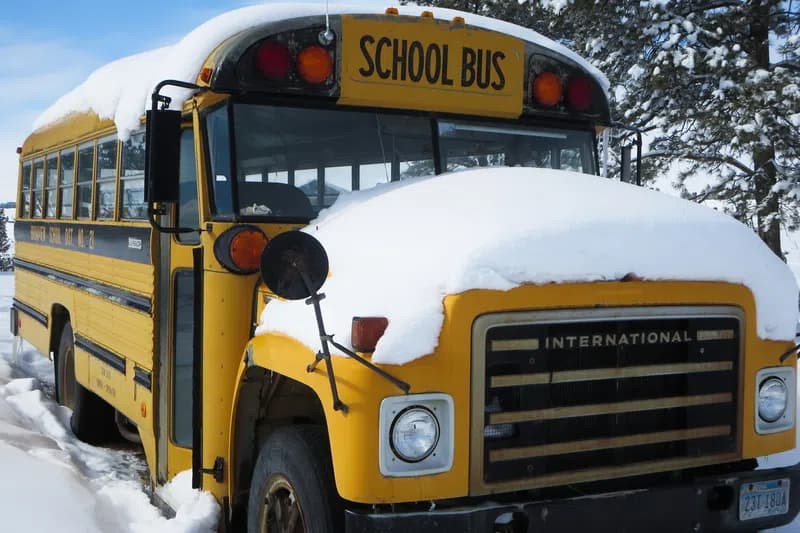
x=773 y=398
x=415 y=433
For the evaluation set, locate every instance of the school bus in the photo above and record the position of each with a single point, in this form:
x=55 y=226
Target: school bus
x=139 y=269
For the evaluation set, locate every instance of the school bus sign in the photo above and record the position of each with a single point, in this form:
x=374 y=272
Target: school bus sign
x=434 y=66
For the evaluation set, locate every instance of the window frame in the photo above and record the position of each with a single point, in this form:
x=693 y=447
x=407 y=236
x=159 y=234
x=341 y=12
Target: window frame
x=37 y=161
x=73 y=149
x=124 y=179
x=48 y=190
x=23 y=191
x=97 y=181
x=76 y=208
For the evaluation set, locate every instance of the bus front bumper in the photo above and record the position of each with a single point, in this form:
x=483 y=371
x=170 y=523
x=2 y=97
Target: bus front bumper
x=705 y=505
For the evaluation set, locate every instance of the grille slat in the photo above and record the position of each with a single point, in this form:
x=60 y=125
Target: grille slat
x=606 y=443
x=574 y=376
x=594 y=398
x=608 y=408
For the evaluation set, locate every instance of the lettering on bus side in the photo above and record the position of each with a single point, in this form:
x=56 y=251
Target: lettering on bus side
x=435 y=63
x=53 y=235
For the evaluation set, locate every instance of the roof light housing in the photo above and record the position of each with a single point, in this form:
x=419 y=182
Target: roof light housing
x=295 y=61
x=560 y=87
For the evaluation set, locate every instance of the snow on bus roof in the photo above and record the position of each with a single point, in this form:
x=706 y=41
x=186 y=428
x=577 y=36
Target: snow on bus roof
x=397 y=250
x=121 y=89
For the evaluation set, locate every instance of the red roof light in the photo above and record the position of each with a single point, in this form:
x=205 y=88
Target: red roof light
x=579 y=93
x=274 y=60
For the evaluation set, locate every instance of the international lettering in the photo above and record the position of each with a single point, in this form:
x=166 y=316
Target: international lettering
x=434 y=63
x=605 y=340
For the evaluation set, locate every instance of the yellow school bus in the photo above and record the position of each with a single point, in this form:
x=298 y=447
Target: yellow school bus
x=139 y=270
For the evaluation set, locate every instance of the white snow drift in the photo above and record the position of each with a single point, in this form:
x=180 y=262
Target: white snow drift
x=121 y=90
x=398 y=250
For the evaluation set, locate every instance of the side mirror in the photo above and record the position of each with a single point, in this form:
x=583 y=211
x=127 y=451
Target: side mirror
x=625 y=171
x=294 y=265
x=163 y=151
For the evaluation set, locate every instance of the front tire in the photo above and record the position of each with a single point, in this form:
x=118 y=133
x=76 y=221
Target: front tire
x=292 y=489
x=92 y=418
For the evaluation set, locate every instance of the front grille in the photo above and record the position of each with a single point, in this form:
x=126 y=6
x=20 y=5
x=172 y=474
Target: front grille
x=567 y=397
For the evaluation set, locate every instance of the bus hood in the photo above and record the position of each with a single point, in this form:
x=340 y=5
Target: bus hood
x=397 y=250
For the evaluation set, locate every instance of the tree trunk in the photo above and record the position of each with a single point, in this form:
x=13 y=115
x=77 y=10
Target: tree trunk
x=767 y=208
x=769 y=227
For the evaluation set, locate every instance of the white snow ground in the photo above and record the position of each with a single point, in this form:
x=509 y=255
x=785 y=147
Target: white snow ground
x=53 y=482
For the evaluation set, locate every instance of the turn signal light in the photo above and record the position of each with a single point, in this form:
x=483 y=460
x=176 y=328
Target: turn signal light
x=579 y=93
x=239 y=249
x=547 y=89
x=366 y=332
x=274 y=60
x=314 y=64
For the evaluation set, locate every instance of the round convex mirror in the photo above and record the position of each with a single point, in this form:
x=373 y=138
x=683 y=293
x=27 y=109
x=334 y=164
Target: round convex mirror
x=288 y=259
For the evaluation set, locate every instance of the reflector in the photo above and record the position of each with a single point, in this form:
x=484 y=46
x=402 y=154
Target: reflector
x=314 y=64
x=273 y=60
x=579 y=93
x=547 y=89
x=367 y=331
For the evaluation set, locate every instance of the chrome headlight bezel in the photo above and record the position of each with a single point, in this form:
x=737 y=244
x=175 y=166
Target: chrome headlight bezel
x=765 y=377
x=439 y=458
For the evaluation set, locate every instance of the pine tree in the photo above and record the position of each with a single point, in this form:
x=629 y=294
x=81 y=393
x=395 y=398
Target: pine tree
x=6 y=259
x=699 y=76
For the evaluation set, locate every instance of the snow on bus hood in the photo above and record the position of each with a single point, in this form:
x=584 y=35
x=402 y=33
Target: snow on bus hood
x=121 y=89
x=399 y=249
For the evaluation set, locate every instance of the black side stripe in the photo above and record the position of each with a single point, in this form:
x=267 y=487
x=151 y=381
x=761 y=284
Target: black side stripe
x=31 y=312
x=120 y=296
x=117 y=362
x=142 y=377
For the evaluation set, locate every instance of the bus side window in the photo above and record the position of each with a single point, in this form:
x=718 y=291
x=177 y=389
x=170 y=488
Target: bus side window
x=85 y=172
x=38 y=184
x=106 y=165
x=51 y=186
x=25 y=195
x=66 y=178
x=188 y=215
x=132 y=206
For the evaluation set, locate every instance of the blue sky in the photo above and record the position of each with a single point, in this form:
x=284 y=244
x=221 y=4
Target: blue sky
x=49 y=47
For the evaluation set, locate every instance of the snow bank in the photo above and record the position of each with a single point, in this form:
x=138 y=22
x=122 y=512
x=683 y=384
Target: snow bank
x=121 y=90
x=399 y=249
x=86 y=489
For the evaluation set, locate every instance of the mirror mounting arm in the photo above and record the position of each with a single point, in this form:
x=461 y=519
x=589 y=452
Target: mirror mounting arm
x=153 y=212
x=638 y=132
x=155 y=98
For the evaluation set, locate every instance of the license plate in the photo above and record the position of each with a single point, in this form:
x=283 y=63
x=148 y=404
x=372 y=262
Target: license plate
x=763 y=498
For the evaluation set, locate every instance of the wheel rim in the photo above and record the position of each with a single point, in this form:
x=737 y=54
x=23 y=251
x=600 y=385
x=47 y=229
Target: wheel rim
x=67 y=386
x=281 y=512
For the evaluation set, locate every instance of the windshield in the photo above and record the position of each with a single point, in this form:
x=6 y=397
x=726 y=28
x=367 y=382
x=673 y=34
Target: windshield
x=291 y=162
